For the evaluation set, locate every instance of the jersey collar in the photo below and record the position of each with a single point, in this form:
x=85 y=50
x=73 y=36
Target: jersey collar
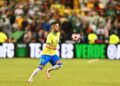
x=54 y=33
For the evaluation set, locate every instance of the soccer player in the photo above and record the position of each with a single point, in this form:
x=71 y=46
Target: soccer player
x=49 y=52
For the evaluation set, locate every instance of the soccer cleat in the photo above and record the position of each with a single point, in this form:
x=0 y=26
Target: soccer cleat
x=30 y=80
x=48 y=73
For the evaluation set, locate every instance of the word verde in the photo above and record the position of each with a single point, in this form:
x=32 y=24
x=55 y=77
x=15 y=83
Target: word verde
x=90 y=51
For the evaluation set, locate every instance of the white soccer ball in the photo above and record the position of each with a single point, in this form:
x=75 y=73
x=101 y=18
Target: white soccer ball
x=76 y=37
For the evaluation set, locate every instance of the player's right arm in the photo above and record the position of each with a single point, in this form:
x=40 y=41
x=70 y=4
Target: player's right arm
x=50 y=46
x=49 y=43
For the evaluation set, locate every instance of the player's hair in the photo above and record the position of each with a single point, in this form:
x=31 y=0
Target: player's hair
x=53 y=23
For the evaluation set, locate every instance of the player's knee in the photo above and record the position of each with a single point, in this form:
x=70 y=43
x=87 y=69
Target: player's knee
x=57 y=66
x=60 y=64
x=41 y=67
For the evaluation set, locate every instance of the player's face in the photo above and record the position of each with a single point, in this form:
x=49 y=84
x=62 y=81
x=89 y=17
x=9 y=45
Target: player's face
x=56 y=27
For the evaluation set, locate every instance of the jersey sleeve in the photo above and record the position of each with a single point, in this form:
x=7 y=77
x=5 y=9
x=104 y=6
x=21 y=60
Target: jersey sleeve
x=49 y=39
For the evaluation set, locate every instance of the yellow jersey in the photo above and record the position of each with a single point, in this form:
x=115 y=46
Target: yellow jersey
x=114 y=39
x=52 y=39
x=3 y=37
x=92 y=37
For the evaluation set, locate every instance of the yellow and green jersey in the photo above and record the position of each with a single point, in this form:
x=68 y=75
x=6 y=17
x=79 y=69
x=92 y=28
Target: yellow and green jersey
x=52 y=39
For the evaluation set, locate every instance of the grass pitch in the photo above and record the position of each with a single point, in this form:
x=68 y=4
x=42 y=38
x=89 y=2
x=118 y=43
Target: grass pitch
x=15 y=72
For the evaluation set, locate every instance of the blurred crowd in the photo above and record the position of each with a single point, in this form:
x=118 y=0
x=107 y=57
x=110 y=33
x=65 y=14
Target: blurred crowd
x=98 y=21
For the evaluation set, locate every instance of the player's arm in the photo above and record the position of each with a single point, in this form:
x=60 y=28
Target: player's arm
x=50 y=46
x=49 y=43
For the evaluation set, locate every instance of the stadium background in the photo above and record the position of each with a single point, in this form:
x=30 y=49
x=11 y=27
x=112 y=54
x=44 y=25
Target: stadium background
x=25 y=24
x=26 y=21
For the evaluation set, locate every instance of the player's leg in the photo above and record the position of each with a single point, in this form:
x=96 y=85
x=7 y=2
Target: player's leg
x=56 y=64
x=43 y=61
x=35 y=72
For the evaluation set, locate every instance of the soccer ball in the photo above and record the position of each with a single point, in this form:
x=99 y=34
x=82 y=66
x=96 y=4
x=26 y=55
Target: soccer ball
x=76 y=37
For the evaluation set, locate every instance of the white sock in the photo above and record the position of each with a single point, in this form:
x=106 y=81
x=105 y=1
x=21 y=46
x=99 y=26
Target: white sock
x=35 y=72
x=55 y=67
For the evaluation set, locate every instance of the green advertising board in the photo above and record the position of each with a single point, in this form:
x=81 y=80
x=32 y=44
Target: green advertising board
x=21 y=50
x=90 y=51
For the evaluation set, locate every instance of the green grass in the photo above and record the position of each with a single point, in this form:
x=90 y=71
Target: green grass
x=15 y=72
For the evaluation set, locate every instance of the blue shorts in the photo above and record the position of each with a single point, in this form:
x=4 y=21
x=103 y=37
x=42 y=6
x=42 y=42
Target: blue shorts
x=44 y=59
